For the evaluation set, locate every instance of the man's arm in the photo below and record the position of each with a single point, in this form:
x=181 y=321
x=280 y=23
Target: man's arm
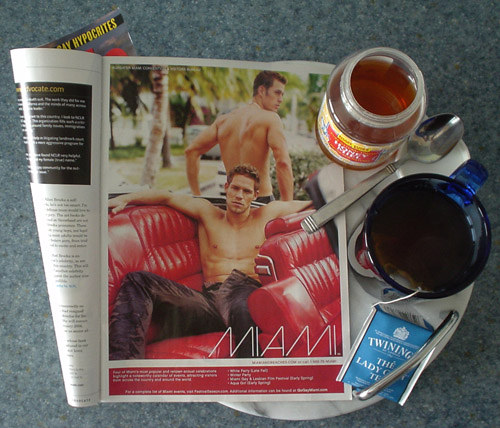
x=277 y=142
x=282 y=208
x=193 y=207
x=199 y=146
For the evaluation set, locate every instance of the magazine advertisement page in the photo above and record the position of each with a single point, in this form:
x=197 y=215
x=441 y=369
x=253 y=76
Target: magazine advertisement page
x=59 y=97
x=212 y=290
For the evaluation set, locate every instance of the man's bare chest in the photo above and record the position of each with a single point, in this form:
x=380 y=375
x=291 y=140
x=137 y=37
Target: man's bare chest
x=228 y=241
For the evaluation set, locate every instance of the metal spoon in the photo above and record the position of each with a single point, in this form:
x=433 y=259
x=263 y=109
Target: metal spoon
x=432 y=140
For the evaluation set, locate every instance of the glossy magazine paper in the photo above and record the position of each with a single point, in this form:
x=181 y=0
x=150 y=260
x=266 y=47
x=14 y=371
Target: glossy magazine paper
x=107 y=35
x=122 y=125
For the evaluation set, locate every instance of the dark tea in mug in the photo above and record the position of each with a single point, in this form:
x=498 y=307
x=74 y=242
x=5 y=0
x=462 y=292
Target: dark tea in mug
x=421 y=238
x=427 y=233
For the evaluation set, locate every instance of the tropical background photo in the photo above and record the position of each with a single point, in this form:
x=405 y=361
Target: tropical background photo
x=156 y=111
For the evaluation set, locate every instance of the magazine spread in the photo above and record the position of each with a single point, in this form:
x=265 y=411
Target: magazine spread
x=168 y=194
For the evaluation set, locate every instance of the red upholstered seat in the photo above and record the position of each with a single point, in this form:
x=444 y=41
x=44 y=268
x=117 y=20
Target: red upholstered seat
x=202 y=346
x=161 y=240
x=298 y=307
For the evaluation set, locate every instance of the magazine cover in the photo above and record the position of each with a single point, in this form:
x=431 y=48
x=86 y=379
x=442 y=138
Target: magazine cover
x=214 y=291
x=107 y=35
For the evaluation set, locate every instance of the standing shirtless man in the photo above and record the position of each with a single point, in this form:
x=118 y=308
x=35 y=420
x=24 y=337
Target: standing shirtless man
x=229 y=242
x=248 y=135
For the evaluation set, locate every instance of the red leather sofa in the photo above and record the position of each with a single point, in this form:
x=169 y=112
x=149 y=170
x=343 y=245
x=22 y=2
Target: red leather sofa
x=161 y=240
x=297 y=309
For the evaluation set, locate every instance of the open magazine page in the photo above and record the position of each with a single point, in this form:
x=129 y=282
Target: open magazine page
x=204 y=298
x=59 y=97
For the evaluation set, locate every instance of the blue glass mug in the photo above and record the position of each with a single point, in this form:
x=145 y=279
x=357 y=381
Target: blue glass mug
x=427 y=233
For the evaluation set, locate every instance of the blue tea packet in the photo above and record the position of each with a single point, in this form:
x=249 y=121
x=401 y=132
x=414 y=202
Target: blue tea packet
x=384 y=343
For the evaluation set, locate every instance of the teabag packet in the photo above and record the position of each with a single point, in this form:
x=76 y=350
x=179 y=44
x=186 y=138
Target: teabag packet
x=405 y=307
x=391 y=351
x=385 y=343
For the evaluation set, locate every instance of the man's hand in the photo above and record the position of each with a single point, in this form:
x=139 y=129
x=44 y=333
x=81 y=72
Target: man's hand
x=117 y=204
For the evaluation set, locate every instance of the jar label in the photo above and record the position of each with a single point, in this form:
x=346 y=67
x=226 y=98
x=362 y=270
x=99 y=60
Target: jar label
x=344 y=148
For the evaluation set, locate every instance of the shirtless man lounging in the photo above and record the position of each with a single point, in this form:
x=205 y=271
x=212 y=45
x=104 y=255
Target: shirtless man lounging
x=248 y=135
x=229 y=242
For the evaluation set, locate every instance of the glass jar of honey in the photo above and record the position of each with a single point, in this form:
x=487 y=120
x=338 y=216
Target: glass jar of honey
x=374 y=100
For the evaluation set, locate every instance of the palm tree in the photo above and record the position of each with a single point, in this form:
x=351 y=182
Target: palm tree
x=125 y=89
x=158 y=128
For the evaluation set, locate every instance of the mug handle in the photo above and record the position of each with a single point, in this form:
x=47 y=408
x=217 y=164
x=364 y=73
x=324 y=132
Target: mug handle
x=471 y=175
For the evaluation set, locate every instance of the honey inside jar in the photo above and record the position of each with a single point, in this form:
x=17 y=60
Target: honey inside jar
x=382 y=87
x=374 y=100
